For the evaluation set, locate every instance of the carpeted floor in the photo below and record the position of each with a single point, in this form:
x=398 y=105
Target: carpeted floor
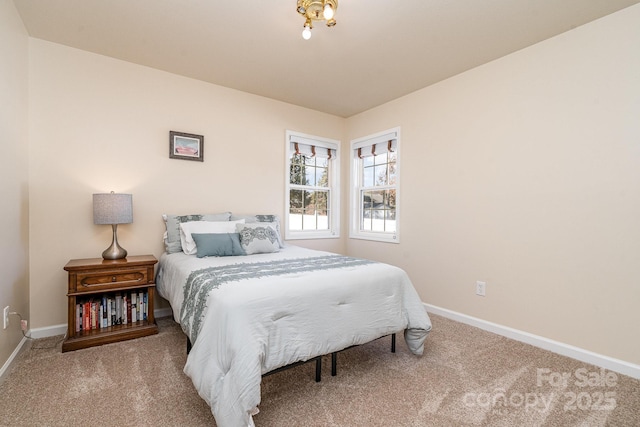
x=467 y=377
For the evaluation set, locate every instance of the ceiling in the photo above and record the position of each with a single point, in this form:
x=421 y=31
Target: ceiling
x=378 y=51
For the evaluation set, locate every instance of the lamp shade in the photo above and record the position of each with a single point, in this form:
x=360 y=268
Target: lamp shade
x=112 y=208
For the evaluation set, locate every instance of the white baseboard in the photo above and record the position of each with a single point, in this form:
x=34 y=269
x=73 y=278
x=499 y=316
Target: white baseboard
x=6 y=368
x=48 y=331
x=617 y=365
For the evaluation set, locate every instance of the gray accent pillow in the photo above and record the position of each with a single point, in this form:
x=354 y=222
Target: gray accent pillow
x=273 y=219
x=172 y=242
x=217 y=244
x=258 y=238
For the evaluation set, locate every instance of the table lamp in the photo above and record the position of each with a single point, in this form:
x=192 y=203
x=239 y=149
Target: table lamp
x=112 y=208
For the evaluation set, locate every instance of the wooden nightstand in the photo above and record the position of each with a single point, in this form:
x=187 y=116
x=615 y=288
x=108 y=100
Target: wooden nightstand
x=103 y=293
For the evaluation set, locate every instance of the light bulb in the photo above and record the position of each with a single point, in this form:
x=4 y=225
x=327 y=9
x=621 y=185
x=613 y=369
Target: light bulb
x=306 y=32
x=328 y=11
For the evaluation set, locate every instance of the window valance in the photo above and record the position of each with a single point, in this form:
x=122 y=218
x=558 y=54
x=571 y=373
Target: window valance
x=311 y=148
x=387 y=143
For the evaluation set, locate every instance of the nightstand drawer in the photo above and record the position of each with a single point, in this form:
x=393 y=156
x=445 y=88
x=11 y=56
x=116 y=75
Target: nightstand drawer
x=105 y=280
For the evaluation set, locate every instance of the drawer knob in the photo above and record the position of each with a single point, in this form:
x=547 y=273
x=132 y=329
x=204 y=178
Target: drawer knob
x=113 y=279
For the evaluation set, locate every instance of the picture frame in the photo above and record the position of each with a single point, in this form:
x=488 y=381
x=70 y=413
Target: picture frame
x=186 y=146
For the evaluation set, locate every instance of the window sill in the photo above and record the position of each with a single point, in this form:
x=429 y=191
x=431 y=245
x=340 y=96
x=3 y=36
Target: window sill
x=383 y=238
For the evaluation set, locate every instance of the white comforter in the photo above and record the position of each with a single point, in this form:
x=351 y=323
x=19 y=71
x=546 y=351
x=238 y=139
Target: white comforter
x=253 y=326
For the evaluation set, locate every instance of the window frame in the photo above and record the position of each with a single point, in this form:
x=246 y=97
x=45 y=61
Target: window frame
x=357 y=186
x=333 y=200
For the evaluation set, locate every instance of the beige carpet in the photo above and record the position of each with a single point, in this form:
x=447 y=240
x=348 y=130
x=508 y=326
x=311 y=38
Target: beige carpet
x=467 y=377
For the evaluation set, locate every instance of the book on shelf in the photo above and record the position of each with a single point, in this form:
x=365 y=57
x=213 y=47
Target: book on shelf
x=86 y=312
x=134 y=308
x=93 y=315
x=108 y=311
x=118 y=309
x=103 y=312
x=79 y=317
x=125 y=318
x=113 y=312
x=140 y=305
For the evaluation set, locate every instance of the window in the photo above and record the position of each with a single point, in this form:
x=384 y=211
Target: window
x=375 y=184
x=312 y=199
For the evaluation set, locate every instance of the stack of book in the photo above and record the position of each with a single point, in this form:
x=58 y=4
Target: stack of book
x=119 y=308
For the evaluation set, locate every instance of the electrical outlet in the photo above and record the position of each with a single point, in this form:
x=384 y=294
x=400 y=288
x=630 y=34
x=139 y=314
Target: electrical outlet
x=23 y=323
x=5 y=316
x=481 y=288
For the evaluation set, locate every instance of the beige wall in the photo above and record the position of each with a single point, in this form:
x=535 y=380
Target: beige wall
x=99 y=124
x=525 y=173
x=14 y=215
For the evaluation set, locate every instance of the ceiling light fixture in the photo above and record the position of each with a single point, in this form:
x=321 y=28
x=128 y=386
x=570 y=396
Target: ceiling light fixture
x=316 y=10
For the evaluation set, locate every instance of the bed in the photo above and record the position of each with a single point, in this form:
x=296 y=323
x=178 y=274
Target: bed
x=247 y=315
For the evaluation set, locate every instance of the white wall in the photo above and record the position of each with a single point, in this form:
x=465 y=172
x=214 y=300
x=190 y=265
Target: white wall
x=14 y=255
x=99 y=124
x=525 y=173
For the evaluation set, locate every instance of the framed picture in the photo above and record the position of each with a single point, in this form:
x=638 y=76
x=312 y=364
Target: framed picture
x=186 y=146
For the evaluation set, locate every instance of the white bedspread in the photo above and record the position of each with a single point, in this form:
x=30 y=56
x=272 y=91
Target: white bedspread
x=255 y=325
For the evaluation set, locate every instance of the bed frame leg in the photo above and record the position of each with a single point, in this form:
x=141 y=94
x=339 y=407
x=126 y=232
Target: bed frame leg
x=334 y=359
x=334 y=363
x=318 y=368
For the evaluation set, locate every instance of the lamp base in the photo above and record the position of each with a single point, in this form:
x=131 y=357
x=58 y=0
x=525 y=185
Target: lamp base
x=115 y=251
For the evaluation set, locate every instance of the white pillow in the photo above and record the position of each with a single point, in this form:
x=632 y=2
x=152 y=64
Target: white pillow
x=186 y=228
x=258 y=238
